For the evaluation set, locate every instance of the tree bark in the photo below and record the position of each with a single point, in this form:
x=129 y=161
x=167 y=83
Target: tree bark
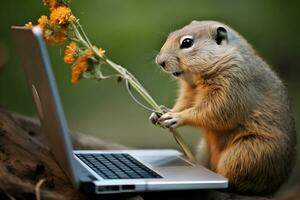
x=28 y=170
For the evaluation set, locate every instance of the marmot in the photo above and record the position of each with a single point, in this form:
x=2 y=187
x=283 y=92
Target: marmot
x=241 y=105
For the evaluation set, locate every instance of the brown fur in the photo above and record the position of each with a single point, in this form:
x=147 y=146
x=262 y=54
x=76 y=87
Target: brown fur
x=241 y=105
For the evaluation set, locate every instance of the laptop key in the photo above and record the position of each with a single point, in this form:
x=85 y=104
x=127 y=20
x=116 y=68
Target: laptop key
x=117 y=166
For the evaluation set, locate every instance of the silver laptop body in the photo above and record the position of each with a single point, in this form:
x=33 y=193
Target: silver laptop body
x=163 y=169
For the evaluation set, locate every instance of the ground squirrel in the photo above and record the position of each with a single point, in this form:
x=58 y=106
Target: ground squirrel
x=241 y=105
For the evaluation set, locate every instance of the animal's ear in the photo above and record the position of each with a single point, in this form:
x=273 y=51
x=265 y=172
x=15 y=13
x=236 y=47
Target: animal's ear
x=221 y=35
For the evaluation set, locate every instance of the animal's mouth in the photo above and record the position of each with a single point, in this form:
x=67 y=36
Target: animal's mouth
x=178 y=73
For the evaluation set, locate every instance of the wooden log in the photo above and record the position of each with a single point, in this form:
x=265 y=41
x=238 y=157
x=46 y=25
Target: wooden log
x=25 y=160
x=28 y=170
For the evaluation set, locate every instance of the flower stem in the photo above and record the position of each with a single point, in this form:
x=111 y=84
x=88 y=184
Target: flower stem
x=136 y=85
x=133 y=82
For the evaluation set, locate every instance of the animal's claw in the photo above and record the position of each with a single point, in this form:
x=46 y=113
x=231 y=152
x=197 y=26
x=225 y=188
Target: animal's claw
x=170 y=120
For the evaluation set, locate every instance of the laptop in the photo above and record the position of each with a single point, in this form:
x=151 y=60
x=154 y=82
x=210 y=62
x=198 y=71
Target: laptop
x=101 y=171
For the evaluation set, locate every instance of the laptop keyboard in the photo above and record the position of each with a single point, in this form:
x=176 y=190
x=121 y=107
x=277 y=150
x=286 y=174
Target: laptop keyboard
x=117 y=166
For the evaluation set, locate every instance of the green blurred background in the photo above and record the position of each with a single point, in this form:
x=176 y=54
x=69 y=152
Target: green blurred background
x=132 y=32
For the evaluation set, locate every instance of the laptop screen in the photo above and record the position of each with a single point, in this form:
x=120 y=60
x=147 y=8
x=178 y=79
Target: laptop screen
x=41 y=82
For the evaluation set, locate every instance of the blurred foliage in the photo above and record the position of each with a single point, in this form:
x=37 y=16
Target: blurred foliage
x=132 y=32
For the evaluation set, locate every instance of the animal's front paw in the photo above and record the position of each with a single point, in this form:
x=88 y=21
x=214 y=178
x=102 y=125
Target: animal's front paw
x=170 y=120
x=164 y=109
x=154 y=117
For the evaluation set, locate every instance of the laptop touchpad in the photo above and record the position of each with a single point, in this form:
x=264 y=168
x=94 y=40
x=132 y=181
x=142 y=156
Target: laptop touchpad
x=164 y=161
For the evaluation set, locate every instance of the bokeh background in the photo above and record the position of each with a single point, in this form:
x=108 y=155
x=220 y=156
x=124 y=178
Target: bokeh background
x=132 y=32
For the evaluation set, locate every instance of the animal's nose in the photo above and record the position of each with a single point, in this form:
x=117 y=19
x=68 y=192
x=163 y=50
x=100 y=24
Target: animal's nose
x=162 y=64
x=160 y=61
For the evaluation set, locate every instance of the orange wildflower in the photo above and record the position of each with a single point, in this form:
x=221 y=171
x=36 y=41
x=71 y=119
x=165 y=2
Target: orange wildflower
x=81 y=65
x=61 y=15
x=57 y=37
x=43 y=22
x=51 y=3
x=29 y=25
x=70 y=52
x=101 y=52
x=51 y=34
x=76 y=73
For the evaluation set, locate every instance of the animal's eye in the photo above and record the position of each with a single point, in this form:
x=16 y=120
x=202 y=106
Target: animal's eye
x=186 y=43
